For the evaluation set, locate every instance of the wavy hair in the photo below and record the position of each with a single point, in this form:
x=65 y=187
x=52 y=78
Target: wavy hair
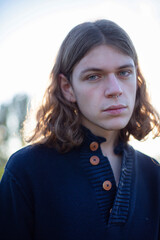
x=58 y=122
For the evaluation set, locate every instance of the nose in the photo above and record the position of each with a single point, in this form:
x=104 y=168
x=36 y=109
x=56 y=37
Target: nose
x=112 y=87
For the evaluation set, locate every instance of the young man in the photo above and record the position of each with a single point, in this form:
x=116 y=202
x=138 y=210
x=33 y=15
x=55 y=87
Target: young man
x=79 y=179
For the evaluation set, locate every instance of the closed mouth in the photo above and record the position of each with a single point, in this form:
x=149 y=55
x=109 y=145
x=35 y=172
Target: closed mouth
x=115 y=107
x=115 y=110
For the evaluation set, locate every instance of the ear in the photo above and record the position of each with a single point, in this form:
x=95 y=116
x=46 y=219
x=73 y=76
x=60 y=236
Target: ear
x=67 y=88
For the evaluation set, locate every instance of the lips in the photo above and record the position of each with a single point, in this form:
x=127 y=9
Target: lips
x=115 y=109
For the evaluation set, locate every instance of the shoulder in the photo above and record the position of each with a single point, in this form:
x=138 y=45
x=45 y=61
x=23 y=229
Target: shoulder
x=147 y=160
x=31 y=158
x=31 y=152
x=146 y=166
x=141 y=157
x=35 y=150
x=143 y=163
x=34 y=158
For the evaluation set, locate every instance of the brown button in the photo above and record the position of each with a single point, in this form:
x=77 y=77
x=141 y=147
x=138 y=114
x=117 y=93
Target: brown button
x=94 y=146
x=107 y=185
x=94 y=160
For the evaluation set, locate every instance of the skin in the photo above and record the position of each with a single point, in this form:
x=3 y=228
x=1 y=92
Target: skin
x=104 y=87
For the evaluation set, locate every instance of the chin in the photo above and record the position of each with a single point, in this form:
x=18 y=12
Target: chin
x=115 y=126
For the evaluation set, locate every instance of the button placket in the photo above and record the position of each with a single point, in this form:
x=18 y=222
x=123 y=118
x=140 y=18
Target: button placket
x=99 y=172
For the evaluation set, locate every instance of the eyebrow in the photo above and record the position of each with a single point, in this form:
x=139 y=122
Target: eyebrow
x=99 y=69
x=127 y=66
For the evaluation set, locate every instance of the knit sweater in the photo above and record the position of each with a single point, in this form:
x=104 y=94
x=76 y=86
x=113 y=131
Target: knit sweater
x=49 y=195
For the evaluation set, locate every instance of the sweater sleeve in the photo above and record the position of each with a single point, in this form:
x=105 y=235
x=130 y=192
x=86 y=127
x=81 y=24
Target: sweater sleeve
x=16 y=215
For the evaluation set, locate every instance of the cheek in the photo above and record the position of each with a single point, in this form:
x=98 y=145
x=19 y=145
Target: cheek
x=132 y=96
x=83 y=94
x=131 y=89
x=83 y=100
x=86 y=99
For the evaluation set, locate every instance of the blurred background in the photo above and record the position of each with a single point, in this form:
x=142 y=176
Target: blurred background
x=31 y=32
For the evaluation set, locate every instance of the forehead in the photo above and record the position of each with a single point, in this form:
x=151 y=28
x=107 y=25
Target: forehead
x=104 y=57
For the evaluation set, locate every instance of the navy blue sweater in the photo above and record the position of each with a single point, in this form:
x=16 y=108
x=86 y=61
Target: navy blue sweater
x=46 y=195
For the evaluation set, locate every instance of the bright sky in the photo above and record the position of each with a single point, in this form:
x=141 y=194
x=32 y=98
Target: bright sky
x=31 y=32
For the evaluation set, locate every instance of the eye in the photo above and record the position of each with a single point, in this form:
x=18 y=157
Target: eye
x=124 y=73
x=93 y=77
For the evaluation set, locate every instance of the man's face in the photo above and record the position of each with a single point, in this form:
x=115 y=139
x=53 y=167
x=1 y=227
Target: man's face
x=104 y=86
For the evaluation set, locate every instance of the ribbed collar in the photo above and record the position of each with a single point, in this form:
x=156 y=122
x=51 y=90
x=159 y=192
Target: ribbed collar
x=89 y=136
x=120 y=211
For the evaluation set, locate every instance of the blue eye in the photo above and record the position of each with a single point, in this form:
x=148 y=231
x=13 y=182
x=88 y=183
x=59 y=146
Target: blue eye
x=93 y=77
x=124 y=73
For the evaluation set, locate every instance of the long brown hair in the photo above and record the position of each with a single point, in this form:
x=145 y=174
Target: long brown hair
x=58 y=120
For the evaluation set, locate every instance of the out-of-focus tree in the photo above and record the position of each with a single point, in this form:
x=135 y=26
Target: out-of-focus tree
x=3 y=133
x=12 y=116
